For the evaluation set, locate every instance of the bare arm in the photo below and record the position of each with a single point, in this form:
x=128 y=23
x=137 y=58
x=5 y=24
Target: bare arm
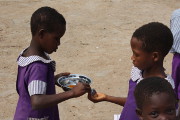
x=117 y=100
x=44 y=101
x=99 y=97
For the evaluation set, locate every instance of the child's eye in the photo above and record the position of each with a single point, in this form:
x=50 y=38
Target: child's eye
x=135 y=54
x=170 y=111
x=154 y=114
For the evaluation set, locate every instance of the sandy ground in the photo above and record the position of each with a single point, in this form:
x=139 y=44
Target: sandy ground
x=96 y=44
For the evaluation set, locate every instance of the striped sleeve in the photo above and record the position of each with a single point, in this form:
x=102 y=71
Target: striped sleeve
x=37 y=87
x=37 y=80
x=175 y=29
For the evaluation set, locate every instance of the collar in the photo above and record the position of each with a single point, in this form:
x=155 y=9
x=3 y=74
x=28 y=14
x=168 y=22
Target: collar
x=136 y=76
x=25 y=61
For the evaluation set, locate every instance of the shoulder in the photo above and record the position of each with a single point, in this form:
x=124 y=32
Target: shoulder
x=175 y=13
x=170 y=80
x=38 y=64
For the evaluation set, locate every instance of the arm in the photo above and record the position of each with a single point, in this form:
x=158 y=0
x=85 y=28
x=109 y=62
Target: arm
x=44 y=101
x=99 y=97
x=117 y=100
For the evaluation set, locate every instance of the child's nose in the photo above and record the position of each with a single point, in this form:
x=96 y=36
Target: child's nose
x=132 y=57
x=163 y=117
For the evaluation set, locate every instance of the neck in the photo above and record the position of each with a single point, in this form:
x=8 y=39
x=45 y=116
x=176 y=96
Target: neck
x=34 y=49
x=156 y=70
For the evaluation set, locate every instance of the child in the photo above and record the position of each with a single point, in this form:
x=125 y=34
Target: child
x=35 y=80
x=155 y=99
x=175 y=29
x=150 y=44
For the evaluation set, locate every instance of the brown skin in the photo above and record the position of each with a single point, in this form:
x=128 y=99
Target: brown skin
x=44 y=41
x=150 y=62
x=99 y=97
x=44 y=101
x=160 y=106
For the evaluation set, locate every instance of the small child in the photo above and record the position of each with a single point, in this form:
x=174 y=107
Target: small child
x=150 y=44
x=155 y=99
x=35 y=79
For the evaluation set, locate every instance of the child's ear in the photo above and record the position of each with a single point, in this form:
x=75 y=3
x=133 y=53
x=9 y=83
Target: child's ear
x=41 y=33
x=139 y=113
x=156 y=56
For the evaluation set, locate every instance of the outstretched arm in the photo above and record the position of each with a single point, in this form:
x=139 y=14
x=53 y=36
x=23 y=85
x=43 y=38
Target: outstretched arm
x=44 y=101
x=99 y=97
x=117 y=100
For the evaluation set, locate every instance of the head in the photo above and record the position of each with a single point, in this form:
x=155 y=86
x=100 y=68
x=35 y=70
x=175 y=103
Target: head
x=155 y=99
x=47 y=27
x=150 y=44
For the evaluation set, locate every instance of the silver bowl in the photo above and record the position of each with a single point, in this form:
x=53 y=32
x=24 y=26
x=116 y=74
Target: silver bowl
x=68 y=82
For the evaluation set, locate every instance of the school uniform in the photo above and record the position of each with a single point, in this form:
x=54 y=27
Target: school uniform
x=35 y=76
x=128 y=112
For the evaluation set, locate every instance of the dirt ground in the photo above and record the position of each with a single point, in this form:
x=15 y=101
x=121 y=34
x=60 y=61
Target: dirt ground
x=96 y=44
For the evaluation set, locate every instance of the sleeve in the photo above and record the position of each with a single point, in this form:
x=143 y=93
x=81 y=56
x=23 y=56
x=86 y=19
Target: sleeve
x=37 y=81
x=175 y=24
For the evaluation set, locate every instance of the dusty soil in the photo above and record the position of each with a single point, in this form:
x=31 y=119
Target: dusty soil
x=96 y=44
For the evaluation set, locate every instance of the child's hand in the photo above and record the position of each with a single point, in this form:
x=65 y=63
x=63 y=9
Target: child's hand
x=80 y=89
x=60 y=75
x=97 y=97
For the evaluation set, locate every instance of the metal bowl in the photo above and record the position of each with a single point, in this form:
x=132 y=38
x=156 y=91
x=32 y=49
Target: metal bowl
x=68 y=82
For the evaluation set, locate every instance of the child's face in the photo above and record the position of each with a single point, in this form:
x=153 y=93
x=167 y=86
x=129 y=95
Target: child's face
x=141 y=59
x=51 y=41
x=160 y=107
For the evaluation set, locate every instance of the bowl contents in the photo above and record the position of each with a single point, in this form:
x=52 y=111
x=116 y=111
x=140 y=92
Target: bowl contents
x=68 y=82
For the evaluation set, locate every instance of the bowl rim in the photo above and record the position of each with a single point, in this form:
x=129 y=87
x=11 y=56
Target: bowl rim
x=71 y=77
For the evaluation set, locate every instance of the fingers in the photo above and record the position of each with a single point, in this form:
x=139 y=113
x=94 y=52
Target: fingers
x=61 y=74
x=65 y=73
x=87 y=87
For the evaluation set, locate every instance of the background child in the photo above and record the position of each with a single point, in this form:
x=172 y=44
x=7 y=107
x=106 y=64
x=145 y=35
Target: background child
x=155 y=99
x=150 y=44
x=175 y=29
x=35 y=79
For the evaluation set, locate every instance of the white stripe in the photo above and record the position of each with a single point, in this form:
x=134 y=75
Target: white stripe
x=117 y=116
x=37 y=87
x=45 y=118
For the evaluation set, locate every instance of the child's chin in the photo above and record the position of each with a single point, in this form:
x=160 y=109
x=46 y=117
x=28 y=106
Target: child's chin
x=50 y=52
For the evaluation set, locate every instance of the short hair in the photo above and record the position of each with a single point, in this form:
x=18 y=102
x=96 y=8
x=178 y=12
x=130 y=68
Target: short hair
x=150 y=86
x=46 y=18
x=155 y=37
